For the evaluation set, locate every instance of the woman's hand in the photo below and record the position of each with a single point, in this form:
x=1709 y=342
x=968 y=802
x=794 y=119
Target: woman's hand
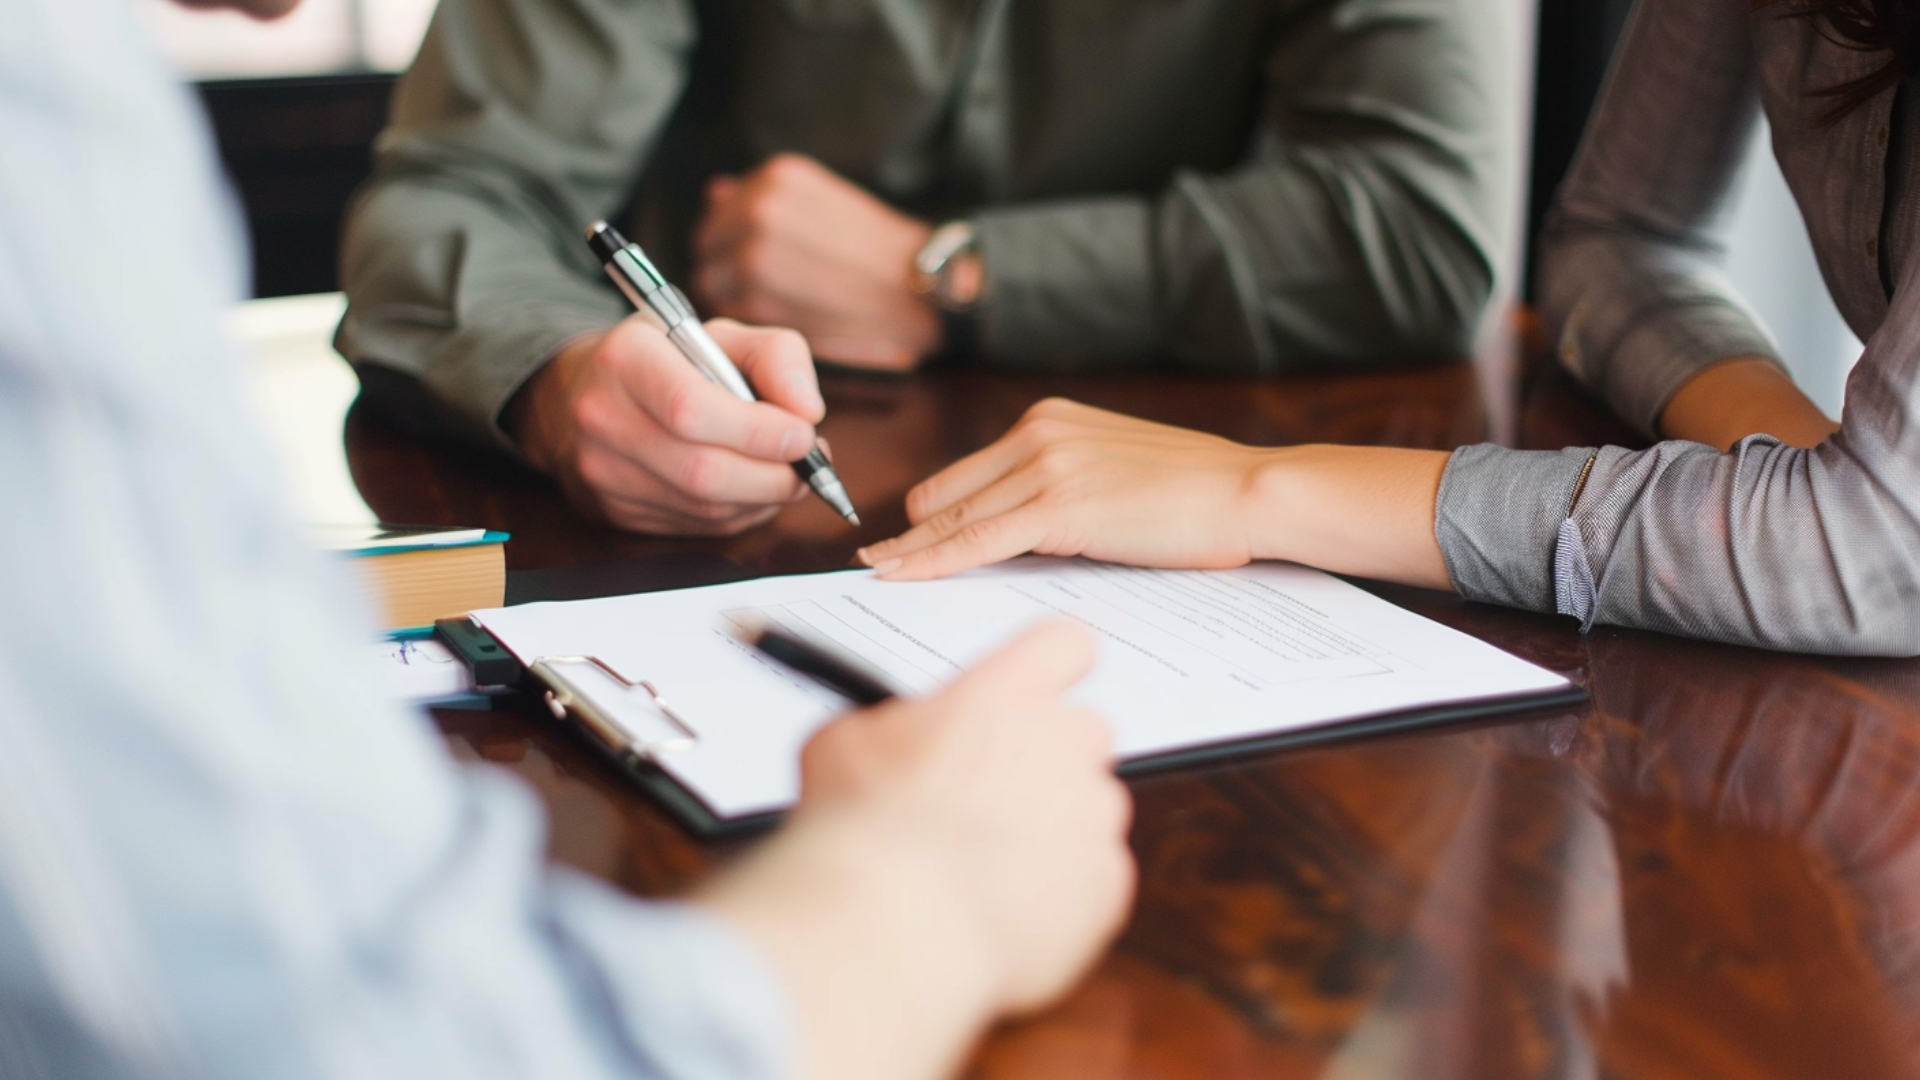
x=1070 y=479
x=1075 y=480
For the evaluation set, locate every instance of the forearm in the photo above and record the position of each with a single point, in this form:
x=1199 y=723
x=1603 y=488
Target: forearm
x=1367 y=511
x=886 y=974
x=1740 y=397
x=1260 y=271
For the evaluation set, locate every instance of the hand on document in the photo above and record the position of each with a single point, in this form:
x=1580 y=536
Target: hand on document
x=636 y=435
x=1011 y=790
x=953 y=859
x=1070 y=479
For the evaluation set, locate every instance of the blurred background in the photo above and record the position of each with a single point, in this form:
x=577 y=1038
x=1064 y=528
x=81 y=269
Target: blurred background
x=295 y=105
x=322 y=37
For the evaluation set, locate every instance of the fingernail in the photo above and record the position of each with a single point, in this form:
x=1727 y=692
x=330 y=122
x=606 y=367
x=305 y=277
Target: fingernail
x=793 y=446
x=884 y=568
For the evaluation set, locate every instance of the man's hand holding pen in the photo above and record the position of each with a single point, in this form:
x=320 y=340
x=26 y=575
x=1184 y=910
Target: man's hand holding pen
x=637 y=435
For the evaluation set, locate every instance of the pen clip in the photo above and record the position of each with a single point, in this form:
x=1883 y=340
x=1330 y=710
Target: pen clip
x=565 y=695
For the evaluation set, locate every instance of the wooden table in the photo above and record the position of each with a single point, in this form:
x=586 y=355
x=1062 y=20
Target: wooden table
x=1711 y=871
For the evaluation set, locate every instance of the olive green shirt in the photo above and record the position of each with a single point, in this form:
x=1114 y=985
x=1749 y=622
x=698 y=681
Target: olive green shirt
x=1229 y=185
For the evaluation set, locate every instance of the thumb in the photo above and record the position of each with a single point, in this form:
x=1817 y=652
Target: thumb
x=1041 y=663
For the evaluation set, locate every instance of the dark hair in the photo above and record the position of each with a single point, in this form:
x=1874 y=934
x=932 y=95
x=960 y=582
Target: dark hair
x=1885 y=26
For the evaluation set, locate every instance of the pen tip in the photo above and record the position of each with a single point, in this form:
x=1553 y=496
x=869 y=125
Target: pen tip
x=853 y=519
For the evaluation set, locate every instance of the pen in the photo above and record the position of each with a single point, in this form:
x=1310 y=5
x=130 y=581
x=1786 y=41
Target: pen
x=645 y=288
x=841 y=675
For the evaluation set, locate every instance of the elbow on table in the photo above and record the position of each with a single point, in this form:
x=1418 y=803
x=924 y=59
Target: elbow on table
x=1876 y=614
x=1890 y=627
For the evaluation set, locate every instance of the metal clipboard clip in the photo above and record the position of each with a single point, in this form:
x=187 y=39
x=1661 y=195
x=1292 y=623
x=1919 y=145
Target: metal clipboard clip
x=566 y=694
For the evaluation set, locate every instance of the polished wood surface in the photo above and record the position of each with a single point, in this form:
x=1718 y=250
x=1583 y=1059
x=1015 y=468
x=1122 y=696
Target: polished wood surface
x=1712 y=870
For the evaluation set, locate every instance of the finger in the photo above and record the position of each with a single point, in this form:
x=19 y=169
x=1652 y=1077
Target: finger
x=625 y=455
x=1008 y=493
x=1090 y=728
x=967 y=476
x=777 y=363
x=1047 y=422
x=738 y=209
x=993 y=540
x=1037 y=666
x=656 y=519
x=674 y=393
x=877 y=354
x=720 y=221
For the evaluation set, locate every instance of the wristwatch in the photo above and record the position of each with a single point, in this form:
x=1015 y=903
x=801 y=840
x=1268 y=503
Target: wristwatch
x=947 y=271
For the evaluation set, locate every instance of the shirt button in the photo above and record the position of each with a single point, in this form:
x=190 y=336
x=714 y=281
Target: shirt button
x=1881 y=135
x=1873 y=249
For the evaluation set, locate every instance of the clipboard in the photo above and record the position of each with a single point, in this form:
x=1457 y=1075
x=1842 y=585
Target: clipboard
x=590 y=695
x=632 y=723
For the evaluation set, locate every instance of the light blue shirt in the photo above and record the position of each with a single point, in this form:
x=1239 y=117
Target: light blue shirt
x=223 y=853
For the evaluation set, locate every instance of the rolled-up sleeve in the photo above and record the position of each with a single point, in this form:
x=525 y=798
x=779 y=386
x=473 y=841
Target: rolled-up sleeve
x=1767 y=544
x=1368 y=221
x=1630 y=284
x=1813 y=550
x=1497 y=514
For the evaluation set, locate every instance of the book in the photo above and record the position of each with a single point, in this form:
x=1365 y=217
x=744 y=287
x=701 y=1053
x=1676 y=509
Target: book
x=418 y=574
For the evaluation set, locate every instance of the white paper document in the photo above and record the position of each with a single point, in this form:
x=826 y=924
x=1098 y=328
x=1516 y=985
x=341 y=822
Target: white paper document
x=421 y=671
x=1188 y=658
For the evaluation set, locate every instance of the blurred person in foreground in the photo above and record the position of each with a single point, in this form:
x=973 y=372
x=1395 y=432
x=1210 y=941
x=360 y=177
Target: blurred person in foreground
x=1233 y=186
x=224 y=854
x=1758 y=520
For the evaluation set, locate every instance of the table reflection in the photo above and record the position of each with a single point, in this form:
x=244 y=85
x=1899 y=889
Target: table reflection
x=1711 y=870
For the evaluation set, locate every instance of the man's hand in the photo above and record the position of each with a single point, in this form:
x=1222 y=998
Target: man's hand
x=792 y=244
x=635 y=434
x=953 y=859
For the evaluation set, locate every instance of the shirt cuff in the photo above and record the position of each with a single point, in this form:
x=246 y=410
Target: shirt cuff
x=1069 y=285
x=473 y=372
x=496 y=352
x=1497 y=518
x=696 y=1000
x=1656 y=359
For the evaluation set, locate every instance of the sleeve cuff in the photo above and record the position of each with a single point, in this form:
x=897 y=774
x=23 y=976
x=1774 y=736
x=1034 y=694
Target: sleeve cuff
x=1655 y=360
x=1497 y=518
x=474 y=372
x=1070 y=285
x=1635 y=327
x=495 y=354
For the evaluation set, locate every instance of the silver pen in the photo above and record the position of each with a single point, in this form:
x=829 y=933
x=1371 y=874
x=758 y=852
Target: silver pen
x=644 y=286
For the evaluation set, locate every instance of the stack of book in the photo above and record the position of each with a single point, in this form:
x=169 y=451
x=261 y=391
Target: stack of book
x=419 y=574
